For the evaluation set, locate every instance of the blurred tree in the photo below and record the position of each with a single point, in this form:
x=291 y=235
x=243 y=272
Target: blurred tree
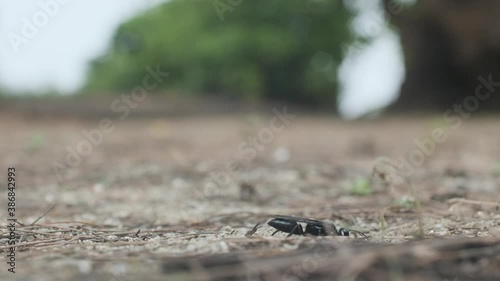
x=276 y=49
x=447 y=45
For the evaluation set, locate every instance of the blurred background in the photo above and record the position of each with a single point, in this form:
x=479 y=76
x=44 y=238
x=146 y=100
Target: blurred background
x=351 y=57
x=315 y=53
x=209 y=115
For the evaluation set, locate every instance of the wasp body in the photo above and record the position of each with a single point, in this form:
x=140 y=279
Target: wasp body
x=291 y=225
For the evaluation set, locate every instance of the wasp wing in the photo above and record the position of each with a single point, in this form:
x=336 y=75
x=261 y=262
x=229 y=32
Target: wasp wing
x=300 y=219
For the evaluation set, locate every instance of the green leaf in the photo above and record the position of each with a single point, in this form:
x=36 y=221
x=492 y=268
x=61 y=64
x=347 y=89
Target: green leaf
x=361 y=187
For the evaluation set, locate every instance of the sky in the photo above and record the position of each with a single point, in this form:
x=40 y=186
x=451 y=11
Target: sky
x=47 y=44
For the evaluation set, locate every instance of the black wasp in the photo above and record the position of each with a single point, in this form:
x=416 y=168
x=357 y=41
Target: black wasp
x=291 y=225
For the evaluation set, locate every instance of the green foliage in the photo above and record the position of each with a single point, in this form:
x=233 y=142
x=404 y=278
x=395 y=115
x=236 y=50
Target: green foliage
x=278 y=49
x=496 y=168
x=36 y=142
x=361 y=187
x=406 y=202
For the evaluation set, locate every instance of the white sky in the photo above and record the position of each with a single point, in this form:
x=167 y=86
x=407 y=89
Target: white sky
x=59 y=52
x=57 y=55
x=371 y=77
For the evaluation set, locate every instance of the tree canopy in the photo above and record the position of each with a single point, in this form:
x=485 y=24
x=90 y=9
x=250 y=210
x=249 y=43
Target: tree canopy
x=275 y=49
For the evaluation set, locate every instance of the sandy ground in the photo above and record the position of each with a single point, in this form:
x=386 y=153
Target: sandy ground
x=152 y=200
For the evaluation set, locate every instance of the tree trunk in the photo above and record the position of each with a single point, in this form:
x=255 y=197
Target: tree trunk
x=448 y=45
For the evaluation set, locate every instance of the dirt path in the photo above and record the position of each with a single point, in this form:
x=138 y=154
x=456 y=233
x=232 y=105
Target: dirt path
x=147 y=199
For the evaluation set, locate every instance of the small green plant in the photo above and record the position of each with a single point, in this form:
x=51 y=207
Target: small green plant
x=36 y=142
x=496 y=168
x=361 y=187
x=406 y=202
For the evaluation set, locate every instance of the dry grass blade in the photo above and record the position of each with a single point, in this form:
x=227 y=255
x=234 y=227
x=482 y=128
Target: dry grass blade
x=44 y=214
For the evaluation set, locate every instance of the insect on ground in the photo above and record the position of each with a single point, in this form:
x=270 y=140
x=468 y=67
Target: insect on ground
x=292 y=226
